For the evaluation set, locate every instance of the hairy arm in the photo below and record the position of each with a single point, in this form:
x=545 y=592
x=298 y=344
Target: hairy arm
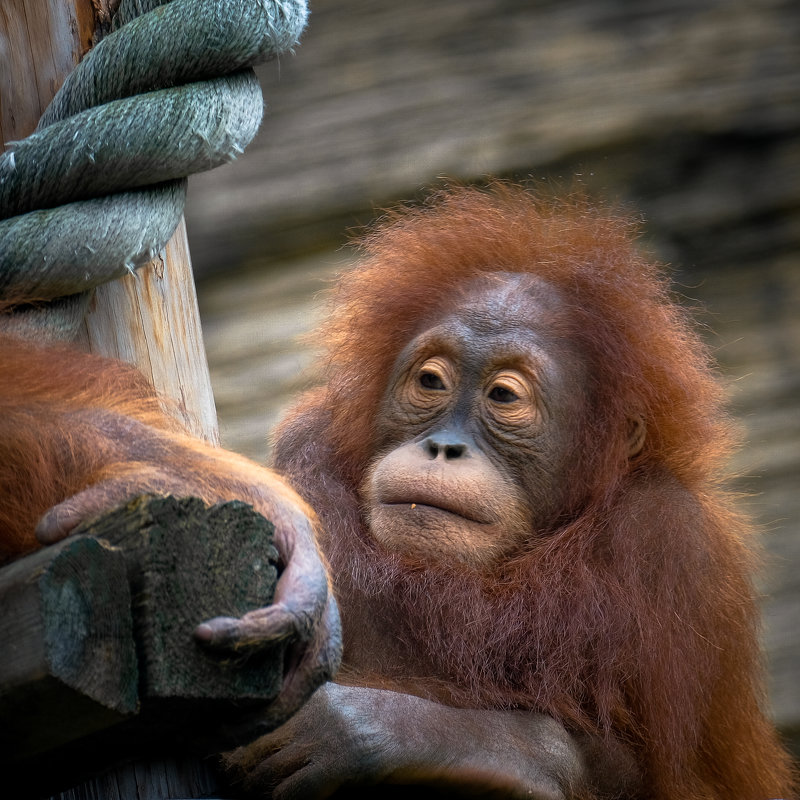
x=351 y=737
x=80 y=435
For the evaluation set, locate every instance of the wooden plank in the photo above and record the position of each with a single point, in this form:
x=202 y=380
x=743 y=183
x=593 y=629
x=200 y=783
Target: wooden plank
x=382 y=99
x=69 y=664
x=188 y=563
x=158 y=779
x=150 y=319
x=102 y=663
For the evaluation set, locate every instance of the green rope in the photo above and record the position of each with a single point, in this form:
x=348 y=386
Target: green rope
x=100 y=186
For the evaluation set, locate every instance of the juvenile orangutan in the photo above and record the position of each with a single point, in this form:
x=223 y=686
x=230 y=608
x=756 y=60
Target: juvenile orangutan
x=515 y=458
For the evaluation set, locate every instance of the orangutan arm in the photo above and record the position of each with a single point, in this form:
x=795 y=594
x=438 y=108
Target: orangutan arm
x=358 y=737
x=80 y=435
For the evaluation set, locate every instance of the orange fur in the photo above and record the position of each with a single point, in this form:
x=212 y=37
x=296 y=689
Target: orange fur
x=69 y=421
x=636 y=618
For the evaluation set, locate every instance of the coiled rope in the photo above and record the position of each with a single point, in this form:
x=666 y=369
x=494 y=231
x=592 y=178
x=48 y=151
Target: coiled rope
x=99 y=187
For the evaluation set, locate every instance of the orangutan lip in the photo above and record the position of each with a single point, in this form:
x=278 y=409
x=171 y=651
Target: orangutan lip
x=414 y=505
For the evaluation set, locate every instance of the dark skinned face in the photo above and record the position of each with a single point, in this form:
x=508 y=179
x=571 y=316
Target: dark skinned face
x=477 y=427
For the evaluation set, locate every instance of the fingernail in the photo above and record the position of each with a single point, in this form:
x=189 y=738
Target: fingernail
x=48 y=530
x=219 y=630
x=204 y=632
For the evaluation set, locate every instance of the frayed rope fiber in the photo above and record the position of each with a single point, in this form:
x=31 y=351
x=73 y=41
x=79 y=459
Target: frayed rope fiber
x=99 y=187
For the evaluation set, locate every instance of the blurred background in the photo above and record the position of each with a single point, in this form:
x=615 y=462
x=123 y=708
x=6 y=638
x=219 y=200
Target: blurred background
x=686 y=111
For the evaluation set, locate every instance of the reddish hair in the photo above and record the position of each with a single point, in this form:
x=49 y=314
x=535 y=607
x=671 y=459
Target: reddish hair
x=636 y=618
x=42 y=461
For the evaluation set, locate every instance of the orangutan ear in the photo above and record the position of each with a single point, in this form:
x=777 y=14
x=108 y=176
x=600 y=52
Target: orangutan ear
x=637 y=431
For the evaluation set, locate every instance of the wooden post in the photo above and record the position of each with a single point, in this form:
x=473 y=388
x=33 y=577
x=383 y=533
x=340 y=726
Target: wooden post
x=149 y=319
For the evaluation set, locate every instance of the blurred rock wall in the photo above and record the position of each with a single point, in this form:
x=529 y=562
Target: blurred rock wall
x=689 y=109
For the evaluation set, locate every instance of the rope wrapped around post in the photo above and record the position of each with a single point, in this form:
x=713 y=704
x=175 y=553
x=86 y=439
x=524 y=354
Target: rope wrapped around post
x=99 y=187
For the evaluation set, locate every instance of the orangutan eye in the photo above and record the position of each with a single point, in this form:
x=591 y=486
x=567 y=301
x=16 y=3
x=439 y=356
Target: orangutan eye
x=430 y=380
x=500 y=394
x=510 y=397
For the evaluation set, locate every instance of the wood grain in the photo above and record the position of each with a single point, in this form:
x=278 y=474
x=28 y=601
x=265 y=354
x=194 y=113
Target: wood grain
x=150 y=318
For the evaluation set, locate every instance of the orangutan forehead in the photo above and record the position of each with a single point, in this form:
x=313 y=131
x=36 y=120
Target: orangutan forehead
x=508 y=300
x=501 y=319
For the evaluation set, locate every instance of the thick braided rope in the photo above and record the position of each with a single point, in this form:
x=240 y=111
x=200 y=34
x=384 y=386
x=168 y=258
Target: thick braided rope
x=99 y=188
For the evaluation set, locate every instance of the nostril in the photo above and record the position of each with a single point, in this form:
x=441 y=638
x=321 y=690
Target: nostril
x=444 y=444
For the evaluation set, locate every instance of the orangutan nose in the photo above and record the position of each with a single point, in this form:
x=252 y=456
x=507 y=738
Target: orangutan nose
x=445 y=444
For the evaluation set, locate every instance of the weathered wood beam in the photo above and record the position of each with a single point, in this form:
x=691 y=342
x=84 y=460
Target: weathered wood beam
x=99 y=661
x=68 y=664
x=188 y=563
